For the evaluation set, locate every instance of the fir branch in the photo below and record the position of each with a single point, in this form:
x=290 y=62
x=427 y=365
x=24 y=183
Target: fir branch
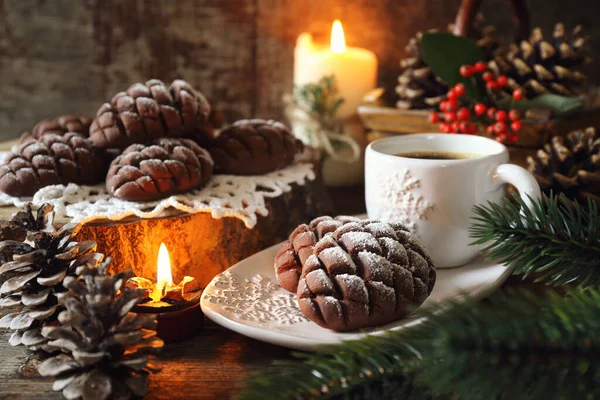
x=515 y=346
x=319 y=99
x=558 y=242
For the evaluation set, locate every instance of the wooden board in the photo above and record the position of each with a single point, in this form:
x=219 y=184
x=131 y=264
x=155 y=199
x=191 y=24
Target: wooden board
x=67 y=56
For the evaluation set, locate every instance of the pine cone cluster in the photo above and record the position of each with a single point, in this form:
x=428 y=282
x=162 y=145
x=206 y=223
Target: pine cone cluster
x=359 y=274
x=145 y=112
x=35 y=271
x=52 y=160
x=540 y=66
x=254 y=147
x=418 y=87
x=160 y=169
x=570 y=165
x=107 y=348
x=59 y=126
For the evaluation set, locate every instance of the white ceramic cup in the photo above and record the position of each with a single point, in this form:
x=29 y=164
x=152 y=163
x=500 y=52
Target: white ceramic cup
x=435 y=198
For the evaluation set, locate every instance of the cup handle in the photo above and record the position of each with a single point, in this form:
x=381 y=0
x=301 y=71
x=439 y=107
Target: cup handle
x=521 y=179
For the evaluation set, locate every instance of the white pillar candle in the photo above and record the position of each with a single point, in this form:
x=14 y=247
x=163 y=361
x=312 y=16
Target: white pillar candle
x=355 y=69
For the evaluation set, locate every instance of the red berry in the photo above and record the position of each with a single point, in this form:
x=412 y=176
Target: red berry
x=517 y=94
x=463 y=114
x=502 y=80
x=512 y=138
x=434 y=117
x=472 y=129
x=450 y=105
x=451 y=95
x=444 y=127
x=450 y=116
x=490 y=130
x=516 y=126
x=488 y=76
x=443 y=104
x=479 y=108
x=480 y=66
x=466 y=70
x=459 y=89
x=499 y=127
x=491 y=112
x=514 y=115
x=501 y=138
x=464 y=127
x=456 y=127
x=500 y=115
x=491 y=85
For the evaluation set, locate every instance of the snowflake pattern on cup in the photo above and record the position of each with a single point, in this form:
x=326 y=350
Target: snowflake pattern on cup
x=402 y=204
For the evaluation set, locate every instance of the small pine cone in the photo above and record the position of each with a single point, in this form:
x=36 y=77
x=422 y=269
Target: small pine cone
x=107 y=349
x=149 y=111
x=59 y=126
x=165 y=167
x=365 y=274
x=570 y=165
x=52 y=160
x=34 y=274
x=254 y=147
x=293 y=252
x=539 y=66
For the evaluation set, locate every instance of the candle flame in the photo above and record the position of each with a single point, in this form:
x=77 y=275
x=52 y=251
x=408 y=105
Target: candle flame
x=338 y=42
x=164 y=278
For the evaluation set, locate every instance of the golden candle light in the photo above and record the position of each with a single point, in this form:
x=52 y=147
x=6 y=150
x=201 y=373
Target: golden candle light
x=338 y=41
x=355 y=69
x=177 y=307
x=164 y=278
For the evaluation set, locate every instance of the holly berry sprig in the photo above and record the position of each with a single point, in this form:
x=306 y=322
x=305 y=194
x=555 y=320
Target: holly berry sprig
x=459 y=116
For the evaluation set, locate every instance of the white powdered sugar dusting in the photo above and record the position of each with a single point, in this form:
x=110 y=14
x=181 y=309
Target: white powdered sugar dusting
x=258 y=299
x=243 y=197
x=397 y=194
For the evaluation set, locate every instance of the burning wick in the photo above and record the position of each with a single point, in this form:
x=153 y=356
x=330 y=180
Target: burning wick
x=164 y=278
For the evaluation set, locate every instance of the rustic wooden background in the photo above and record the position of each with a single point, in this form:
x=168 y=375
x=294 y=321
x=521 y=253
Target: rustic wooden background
x=68 y=56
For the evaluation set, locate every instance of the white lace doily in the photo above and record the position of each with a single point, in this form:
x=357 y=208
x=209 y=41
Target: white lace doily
x=242 y=197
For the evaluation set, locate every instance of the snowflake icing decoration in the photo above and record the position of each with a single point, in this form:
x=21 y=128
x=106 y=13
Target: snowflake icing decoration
x=396 y=194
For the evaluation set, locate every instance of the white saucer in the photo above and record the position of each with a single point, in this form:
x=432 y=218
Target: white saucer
x=247 y=299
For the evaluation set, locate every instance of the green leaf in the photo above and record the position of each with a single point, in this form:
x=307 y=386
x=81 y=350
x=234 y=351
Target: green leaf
x=561 y=106
x=446 y=53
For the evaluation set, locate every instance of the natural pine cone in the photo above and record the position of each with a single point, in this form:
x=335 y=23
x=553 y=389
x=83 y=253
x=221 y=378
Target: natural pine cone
x=570 y=165
x=149 y=111
x=106 y=348
x=254 y=147
x=52 y=160
x=365 y=274
x=540 y=66
x=293 y=252
x=35 y=271
x=59 y=126
x=165 y=167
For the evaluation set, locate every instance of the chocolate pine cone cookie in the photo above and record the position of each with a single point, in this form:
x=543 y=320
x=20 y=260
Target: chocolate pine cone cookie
x=254 y=147
x=166 y=167
x=52 y=160
x=365 y=274
x=59 y=126
x=293 y=252
x=149 y=111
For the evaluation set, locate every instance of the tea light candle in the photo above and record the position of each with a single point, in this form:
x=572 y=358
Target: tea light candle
x=177 y=307
x=355 y=69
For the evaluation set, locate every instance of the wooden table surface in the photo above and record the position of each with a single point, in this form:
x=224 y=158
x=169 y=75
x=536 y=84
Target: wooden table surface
x=208 y=366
